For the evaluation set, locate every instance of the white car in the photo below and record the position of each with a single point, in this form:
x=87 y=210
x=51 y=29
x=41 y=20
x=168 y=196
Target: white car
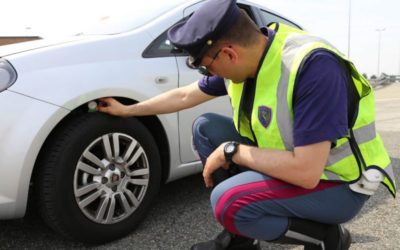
x=94 y=176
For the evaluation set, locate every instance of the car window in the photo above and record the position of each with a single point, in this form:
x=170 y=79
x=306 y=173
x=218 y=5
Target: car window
x=269 y=17
x=161 y=47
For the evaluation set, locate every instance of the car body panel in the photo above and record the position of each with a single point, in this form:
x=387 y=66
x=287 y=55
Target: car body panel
x=22 y=135
x=17 y=48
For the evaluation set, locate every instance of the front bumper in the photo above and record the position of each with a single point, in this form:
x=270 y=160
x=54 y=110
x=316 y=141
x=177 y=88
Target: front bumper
x=25 y=125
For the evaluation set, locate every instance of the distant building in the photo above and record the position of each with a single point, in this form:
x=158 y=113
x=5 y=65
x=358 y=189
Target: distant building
x=16 y=39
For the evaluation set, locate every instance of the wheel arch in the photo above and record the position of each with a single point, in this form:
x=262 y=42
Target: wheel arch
x=152 y=123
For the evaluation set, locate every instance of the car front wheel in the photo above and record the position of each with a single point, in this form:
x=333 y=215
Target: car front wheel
x=97 y=178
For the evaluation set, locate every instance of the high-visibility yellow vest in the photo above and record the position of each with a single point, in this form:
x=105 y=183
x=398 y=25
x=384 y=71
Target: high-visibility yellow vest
x=271 y=120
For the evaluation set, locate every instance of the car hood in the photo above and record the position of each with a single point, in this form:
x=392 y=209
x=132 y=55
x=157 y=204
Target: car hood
x=15 y=48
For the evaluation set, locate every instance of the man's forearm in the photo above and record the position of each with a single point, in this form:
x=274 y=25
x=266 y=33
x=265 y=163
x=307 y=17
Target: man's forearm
x=170 y=101
x=302 y=167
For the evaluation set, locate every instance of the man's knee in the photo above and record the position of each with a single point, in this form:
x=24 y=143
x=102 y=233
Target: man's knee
x=224 y=201
x=202 y=123
x=225 y=209
x=201 y=138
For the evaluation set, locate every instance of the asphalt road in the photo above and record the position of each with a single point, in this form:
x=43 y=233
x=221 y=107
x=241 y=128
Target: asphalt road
x=181 y=215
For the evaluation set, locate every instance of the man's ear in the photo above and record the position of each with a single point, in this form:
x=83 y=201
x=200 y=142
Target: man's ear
x=231 y=53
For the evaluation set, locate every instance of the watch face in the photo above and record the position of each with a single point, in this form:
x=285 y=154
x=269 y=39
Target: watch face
x=230 y=148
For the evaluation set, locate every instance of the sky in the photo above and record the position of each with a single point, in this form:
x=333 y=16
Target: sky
x=329 y=19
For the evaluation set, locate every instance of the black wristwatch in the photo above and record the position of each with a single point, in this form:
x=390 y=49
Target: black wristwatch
x=230 y=149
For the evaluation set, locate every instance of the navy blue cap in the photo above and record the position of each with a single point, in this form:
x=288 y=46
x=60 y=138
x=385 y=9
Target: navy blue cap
x=197 y=33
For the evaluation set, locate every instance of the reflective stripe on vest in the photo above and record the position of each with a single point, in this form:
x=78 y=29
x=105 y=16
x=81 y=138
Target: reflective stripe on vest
x=288 y=50
x=362 y=135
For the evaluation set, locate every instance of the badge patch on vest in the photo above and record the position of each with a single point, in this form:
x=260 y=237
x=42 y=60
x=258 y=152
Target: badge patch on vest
x=264 y=115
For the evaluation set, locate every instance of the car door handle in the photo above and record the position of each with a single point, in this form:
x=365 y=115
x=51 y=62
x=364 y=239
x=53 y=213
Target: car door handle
x=161 y=79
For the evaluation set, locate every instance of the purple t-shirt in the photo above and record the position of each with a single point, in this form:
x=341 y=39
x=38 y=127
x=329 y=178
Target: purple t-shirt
x=319 y=98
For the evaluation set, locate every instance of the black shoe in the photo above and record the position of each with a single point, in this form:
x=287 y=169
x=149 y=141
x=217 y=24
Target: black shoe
x=228 y=241
x=345 y=240
x=338 y=238
x=241 y=243
x=315 y=236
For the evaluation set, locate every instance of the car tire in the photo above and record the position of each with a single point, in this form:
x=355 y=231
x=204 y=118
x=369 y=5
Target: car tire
x=97 y=177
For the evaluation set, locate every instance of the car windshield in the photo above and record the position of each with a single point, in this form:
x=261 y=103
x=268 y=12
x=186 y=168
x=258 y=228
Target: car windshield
x=122 y=18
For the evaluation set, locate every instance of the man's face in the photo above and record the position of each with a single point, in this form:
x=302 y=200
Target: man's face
x=223 y=63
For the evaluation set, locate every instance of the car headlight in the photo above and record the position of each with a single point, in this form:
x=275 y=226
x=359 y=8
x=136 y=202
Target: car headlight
x=8 y=75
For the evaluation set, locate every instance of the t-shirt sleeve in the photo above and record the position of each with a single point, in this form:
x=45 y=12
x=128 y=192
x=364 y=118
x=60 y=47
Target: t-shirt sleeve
x=213 y=85
x=320 y=100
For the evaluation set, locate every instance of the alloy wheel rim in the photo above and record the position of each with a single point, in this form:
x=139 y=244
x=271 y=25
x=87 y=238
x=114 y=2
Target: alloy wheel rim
x=111 y=178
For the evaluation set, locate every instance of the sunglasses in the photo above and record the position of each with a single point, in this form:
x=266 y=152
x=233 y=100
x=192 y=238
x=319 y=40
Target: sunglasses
x=204 y=69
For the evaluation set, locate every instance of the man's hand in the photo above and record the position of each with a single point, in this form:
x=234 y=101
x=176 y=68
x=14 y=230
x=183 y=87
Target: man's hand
x=214 y=161
x=113 y=107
